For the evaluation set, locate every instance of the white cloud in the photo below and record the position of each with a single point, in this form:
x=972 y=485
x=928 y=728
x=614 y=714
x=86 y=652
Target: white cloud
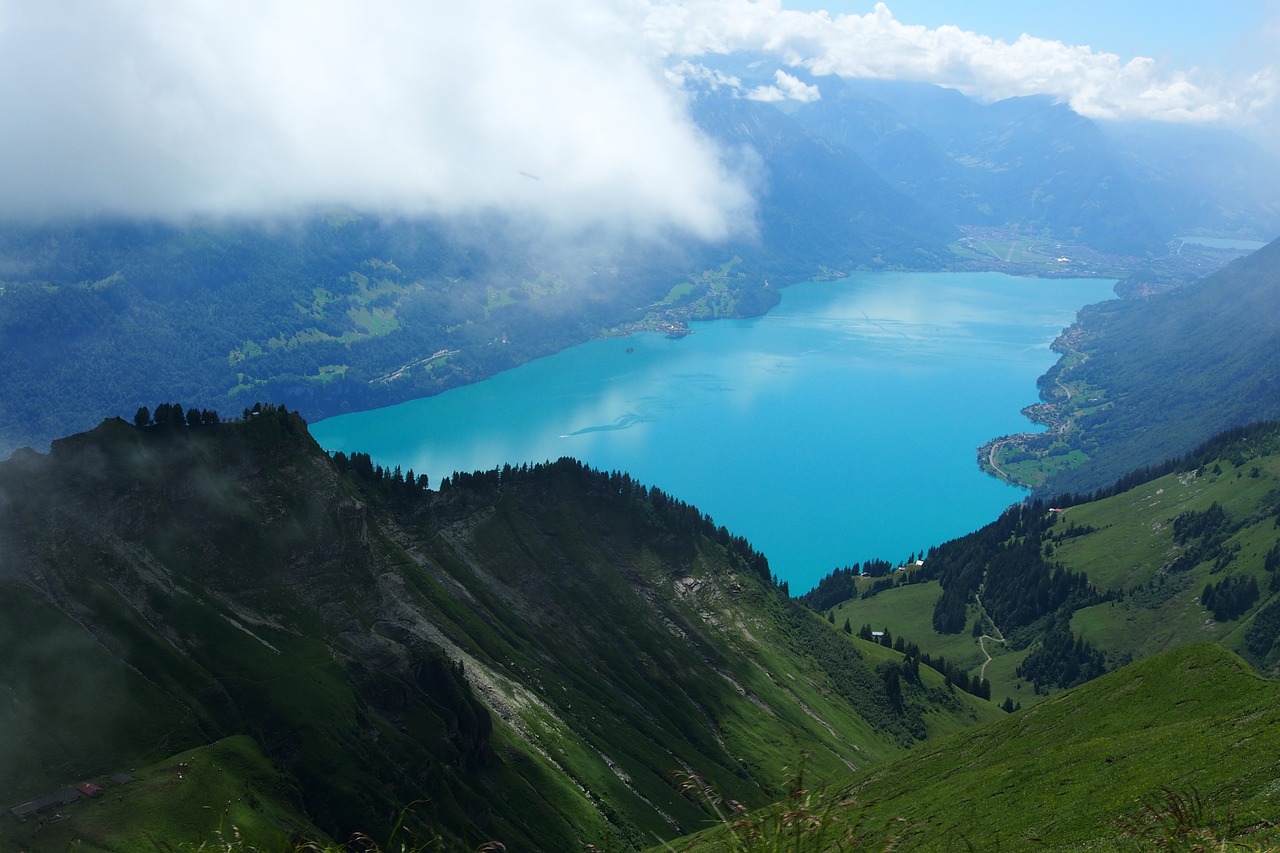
x=569 y=111
x=877 y=44
x=786 y=87
x=687 y=74
x=263 y=106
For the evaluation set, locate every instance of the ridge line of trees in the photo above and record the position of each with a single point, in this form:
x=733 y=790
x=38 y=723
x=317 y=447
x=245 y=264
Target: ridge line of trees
x=173 y=415
x=176 y=415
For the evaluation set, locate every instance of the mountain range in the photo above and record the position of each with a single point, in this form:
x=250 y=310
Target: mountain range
x=251 y=633
x=1034 y=166
x=217 y=633
x=530 y=651
x=340 y=310
x=529 y=654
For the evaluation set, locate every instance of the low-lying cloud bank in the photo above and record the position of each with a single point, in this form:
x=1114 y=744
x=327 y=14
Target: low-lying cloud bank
x=158 y=108
x=568 y=112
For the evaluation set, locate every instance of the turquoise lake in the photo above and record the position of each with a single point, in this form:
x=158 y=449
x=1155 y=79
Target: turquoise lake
x=841 y=426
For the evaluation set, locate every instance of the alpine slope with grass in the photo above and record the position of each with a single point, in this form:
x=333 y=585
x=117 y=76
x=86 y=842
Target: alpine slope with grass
x=1053 y=594
x=521 y=655
x=229 y=637
x=1177 y=752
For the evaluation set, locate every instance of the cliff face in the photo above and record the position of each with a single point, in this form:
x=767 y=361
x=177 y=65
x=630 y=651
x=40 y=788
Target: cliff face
x=526 y=653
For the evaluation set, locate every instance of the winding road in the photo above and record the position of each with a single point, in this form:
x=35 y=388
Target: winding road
x=1061 y=428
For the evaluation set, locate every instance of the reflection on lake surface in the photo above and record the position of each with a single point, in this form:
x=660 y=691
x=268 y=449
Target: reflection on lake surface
x=841 y=426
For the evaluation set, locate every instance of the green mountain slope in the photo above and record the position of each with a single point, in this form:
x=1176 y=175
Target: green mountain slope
x=1186 y=740
x=1143 y=380
x=216 y=793
x=329 y=313
x=526 y=654
x=1047 y=597
x=1177 y=752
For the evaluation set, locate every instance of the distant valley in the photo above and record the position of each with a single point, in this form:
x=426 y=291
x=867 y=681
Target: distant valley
x=342 y=310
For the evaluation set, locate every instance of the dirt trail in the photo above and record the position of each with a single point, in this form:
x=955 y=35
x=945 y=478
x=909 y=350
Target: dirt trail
x=982 y=641
x=982 y=673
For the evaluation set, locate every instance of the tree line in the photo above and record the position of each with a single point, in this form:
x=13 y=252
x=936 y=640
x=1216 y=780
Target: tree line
x=173 y=415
